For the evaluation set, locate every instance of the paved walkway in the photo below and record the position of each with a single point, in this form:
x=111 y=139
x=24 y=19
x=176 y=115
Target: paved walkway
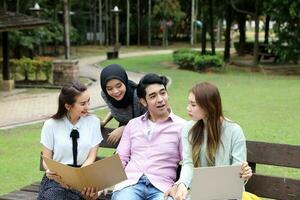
x=18 y=108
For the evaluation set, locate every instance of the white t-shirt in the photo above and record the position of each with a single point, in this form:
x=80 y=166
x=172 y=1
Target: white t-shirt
x=56 y=137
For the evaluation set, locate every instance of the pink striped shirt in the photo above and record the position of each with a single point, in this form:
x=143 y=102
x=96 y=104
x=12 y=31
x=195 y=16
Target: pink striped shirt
x=156 y=156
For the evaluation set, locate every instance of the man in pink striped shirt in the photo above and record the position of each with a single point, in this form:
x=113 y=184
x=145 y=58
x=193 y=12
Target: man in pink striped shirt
x=150 y=148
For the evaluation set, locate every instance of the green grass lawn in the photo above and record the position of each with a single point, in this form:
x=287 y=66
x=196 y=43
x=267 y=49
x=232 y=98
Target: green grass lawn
x=266 y=106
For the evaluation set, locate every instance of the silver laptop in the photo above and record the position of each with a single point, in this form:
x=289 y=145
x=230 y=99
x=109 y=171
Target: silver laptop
x=217 y=183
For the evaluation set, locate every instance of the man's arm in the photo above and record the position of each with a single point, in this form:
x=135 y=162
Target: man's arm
x=124 y=147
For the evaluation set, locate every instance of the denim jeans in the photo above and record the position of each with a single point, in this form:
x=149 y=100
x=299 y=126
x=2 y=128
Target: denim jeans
x=143 y=190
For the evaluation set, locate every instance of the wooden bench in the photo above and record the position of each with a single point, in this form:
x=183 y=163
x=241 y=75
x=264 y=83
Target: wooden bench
x=265 y=53
x=274 y=187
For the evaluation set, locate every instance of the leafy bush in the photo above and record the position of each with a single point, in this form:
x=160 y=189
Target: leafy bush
x=193 y=60
x=207 y=61
x=28 y=67
x=185 y=58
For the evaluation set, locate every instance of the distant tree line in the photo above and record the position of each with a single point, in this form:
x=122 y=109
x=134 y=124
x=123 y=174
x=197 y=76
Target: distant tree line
x=157 y=22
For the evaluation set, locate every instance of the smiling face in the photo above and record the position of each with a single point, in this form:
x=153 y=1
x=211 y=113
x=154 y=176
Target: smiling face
x=156 y=100
x=116 y=89
x=195 y=112
x=81 y=106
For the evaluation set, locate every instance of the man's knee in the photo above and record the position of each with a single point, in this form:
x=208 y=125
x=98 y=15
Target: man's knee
x=125 y=193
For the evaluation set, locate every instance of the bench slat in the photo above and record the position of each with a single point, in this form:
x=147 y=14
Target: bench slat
x=24 y=195
x=273 y=154
x=274 y=187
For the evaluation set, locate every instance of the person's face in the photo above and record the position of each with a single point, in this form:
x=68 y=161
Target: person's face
x=81 y=105
x=195 y=112
x=156 y=100
x=116 y=89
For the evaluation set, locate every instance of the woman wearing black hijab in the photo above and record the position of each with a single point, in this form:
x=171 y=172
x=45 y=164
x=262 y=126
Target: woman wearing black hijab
x=119 y=93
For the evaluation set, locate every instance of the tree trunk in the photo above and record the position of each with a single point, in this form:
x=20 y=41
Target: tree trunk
x=66 y=29
x=138 y=23
x=106 y=23
x=4 y=6
x=211 y=24
x=149 y=23
x=17 y=6
x=111 y=24
x=204 y=29
x=192 y=22
x=95 y=23
x=267 y=27
x=220 y=30
x=195 y=18
x=56 y=50
x=164 y=43
x=256 y=42
x=128 y=24
x=228 y=18
x=5 y=68
x=100 y=23
x=242 y=31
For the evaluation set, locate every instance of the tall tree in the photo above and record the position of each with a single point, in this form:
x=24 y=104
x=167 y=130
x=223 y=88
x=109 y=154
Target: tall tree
x=192 y=22
x=255 y=14
x=228 y=18
x=128 y=24
x=66 y=29
x=167 y=11
x=138 y=22
x=204 y=27
x=149 y=23
x=241 y=18
x=211 y=26
x=100 y=22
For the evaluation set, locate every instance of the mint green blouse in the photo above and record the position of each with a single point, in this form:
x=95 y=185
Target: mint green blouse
x=232 y=149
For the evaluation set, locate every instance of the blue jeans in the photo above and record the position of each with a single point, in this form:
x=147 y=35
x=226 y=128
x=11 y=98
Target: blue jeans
x=143 y=190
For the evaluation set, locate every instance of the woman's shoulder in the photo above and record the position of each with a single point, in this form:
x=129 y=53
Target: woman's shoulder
x=232 y=127
x=91 y=118
x=51 y=121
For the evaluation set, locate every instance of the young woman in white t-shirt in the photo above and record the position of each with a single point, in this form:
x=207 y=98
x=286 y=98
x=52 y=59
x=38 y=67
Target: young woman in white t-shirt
x=71 y=137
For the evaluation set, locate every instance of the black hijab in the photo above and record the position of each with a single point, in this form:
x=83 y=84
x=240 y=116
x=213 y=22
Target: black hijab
x=115 y=71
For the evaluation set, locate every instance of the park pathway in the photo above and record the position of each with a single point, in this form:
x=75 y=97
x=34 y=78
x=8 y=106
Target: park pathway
x=19 y=107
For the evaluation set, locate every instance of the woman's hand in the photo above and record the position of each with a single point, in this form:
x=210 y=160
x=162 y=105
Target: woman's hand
x=54 y=176
x=178 y=192
x=115 y=135
x=89 y=193
x=181 y=192
x=246 y=171
x=170 y=192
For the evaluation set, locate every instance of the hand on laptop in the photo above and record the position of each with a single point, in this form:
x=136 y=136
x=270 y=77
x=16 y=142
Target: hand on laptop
x=178 y=192
x=246 y=171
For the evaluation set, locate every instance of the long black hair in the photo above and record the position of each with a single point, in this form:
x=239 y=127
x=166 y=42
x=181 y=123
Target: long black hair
x=68 y=95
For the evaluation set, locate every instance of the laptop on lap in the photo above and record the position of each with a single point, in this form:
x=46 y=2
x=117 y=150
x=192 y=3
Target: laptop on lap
x=217 y=183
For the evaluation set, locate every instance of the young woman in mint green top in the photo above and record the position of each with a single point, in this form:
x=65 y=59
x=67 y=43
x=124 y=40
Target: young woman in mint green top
x=209 y=139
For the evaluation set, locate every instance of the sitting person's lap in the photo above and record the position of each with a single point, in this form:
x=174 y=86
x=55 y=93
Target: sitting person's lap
x=140 y=191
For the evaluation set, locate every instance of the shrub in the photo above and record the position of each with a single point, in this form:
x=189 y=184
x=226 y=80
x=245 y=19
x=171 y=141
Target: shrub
x=28 y=67
x=193 y=60
x=185 y=58
x=207 y=61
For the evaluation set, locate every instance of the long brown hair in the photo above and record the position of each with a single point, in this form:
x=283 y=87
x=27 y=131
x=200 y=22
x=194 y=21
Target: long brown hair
x=68 y=95
x=207 y=96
